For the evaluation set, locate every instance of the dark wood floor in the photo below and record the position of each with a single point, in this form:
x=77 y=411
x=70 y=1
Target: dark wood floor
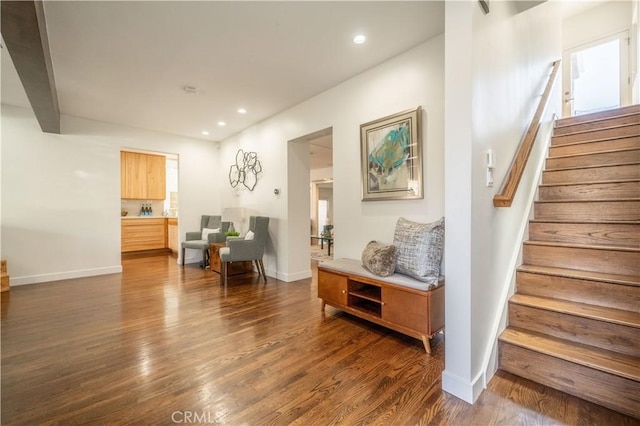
x=160 y=344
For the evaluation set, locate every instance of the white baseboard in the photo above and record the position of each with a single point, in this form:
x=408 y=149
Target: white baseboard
x=57 y=276
x=461 y=388
x=289 y=277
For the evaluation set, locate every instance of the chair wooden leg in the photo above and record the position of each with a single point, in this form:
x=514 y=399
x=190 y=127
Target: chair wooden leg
x=264 y=275
x=258 y=268
x=223 y=273
x=204 y=259
x=183 y=257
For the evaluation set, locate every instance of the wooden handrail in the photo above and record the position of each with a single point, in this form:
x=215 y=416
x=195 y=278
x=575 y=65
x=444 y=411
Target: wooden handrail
x=508 y=190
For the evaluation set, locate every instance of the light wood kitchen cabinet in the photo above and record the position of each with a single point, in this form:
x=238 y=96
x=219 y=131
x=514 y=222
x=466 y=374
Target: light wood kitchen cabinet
x=156 y=177
x=172 y=234
x=142 y=176
x=133 y=171
x=143 y=234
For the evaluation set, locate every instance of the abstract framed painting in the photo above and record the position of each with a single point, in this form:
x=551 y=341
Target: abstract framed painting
x=391 y=157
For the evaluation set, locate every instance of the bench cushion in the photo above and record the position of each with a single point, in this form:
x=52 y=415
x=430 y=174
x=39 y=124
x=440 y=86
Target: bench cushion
x=354 y=267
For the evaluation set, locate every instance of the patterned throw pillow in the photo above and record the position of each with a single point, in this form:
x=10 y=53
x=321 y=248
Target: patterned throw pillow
x=419 y=247
x=379 y=259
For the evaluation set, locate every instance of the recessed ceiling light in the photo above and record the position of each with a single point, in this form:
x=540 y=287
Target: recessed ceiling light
x=205 y=133
x=190 y=90
x=359 y=39
x=242 y=111
x=221 y=123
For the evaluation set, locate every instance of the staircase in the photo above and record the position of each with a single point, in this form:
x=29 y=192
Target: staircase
x=574 y=322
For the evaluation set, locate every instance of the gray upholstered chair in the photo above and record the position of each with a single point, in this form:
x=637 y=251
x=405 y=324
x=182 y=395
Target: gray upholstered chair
x=241 y=249
x=194 y=239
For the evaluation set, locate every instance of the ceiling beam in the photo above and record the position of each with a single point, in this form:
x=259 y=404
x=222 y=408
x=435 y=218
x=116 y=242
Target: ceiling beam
x=24 y=32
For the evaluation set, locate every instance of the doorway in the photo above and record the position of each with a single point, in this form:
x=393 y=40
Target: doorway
x=596 y=75
x=323 y=213
x=309 y=158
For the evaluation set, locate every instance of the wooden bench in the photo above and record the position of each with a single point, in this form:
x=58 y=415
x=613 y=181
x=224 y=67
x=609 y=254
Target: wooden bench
x=398 y=302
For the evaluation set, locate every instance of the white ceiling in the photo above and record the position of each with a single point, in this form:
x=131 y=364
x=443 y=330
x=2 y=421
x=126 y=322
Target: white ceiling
x=127 y=62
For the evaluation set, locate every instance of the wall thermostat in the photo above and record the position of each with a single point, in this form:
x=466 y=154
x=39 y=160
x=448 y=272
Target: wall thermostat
x=491 y=158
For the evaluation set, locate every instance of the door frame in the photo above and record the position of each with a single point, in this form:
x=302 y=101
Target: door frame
x=625 y=69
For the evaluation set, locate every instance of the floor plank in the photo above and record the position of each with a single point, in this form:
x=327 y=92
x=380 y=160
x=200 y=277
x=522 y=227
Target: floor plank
x=160 y=342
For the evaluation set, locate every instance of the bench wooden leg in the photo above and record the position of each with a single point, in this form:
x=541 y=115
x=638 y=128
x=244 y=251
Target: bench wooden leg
x=426 y=343
x=223 y=273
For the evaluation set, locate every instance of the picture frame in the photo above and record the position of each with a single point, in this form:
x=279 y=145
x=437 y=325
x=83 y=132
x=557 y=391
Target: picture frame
x=391 y=157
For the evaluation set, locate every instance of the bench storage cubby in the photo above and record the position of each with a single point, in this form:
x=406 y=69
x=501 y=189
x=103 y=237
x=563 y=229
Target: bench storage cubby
x=398 y=302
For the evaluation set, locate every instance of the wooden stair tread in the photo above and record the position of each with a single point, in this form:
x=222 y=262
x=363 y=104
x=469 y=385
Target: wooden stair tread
x=600 y=152
x=599 y=222
x=595 y=182
x=582 y=275
x=599 y=116
x=586 y=131
x=600 y=313
x=597 y=200
x=605 y=123
x=582 y=246
x=600 y=359
x=596 y=166
x=612 y=138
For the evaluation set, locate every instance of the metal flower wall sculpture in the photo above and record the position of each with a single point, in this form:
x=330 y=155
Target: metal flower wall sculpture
x=246 y=170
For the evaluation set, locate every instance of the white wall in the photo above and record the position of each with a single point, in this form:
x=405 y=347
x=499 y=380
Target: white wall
x=597 y=22
x=635 y=53
x=61 y=193
x=411 y=79
x=496 y=66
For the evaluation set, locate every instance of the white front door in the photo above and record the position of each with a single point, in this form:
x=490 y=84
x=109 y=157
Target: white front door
x=596 y=75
